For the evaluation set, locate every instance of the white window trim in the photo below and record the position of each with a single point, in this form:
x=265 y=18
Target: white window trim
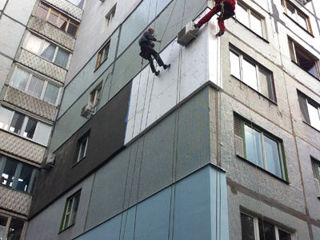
x=256 y=228
x=86 y=139
x=44 y=88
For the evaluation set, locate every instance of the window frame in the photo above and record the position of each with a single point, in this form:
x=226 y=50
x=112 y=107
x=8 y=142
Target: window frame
x=67 y=223
x=304 y=109
x=251 y=12
x=44 y=88
x=43 y=41
x=296 y=12
x=17 y=173
x=293 y=47
x=60 y=15
x=9 y=219
x=101 y=54
x=256 y=229
x=258 y=68
x=263 y=133
x=84 y=139
x=24 y=125
x=95 y=94
x=110 y=15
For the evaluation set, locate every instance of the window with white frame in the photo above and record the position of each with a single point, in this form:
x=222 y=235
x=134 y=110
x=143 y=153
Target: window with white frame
x=316 y=174
x=10 y=228
x=252 y=73
x=24 y=126
x=16 y=175
x=297 y=15
x=94 y=96
x=82 y=147
x=102 y=55
x=35 y=86
x=58 y=19
x=304 y=59
x=47 y=50
x=251 y=19
x=70 y=211
x=253 y=228
x=310 y=110
x=259 y=147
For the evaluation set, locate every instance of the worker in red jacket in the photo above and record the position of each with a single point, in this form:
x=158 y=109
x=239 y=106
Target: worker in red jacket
x=226 y=7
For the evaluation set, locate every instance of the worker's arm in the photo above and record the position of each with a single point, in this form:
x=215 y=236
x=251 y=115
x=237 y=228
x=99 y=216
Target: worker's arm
x=150 y=37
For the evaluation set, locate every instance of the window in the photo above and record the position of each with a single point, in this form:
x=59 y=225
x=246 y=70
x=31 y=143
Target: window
x=47 y=50
x=10 y=228
x=24 y=126
x=251 y=73
x=316 y=174
x=70 y=211
x=54 y=17
x=254 y=228
x=16 y=175
x=310 y=110
x=304 y=59
x=103 y=55
x=259 y=147
x=297 y=15
x=78 y=3
x=94 y=96
x=111 y=14
x=251 y=19
x=34 y=86
x=82 y=147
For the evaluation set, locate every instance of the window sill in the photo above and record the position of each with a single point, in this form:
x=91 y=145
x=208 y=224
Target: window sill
x=305 y=70
x=318 y=130
x=257 y=35
x=65 y=229
x=263 y=170
x=78 y=162
x=298 y=24
x=260 y=94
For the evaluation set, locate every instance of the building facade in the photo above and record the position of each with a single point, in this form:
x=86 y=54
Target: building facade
x=37 y=41
x=223 y=145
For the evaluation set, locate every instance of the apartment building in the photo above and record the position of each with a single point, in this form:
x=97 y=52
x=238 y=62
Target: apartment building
x=223 y=145
x=36 y=44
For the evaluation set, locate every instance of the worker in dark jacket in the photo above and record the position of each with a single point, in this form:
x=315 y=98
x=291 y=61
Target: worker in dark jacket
x=226 y=7
x=146 y=45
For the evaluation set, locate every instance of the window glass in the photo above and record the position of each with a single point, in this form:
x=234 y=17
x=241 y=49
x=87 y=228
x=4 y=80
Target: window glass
x=53 y=17
x=20 y=79
x=242 y=15
x=51 y=93
x=7 y=176
x=5 y=118
x=48 y=51
x=235 y=64
x=314 y=116
x=72 y=29
x=266 y=86
x=253 y=146
x=35 y=87
x=16 y=123
x=256 y=24
x=62 y=58
x=302 y=20
x=266 y=231
x=250 y=74
x=70 y=211
x=272 y=156
x=284 y=235
x=15 y=229
x=62 y=23
x=30 y=128
x=42 y=11
x=34 y=44
x=247 y=227
x=82 y=152
x=42 y=133
x=24 y=180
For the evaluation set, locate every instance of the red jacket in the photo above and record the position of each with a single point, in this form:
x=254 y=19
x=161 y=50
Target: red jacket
x=231 y=2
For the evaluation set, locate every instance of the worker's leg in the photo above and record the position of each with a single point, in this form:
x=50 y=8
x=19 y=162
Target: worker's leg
x=209 y=15
x=159 y=60
x=153 y=69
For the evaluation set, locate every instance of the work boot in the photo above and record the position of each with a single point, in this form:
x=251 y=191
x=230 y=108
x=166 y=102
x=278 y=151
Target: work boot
x=220 y=33
x=157 y=73
x=165 y=66
x=196 y=26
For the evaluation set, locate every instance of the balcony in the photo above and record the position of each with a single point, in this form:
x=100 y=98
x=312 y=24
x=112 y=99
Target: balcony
x=41 y=65
x=21 y=147
x=53 y=33
x=14 y=201
x=67 y=7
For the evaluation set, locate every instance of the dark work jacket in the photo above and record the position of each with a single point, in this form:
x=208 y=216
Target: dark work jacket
x=146 y=39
